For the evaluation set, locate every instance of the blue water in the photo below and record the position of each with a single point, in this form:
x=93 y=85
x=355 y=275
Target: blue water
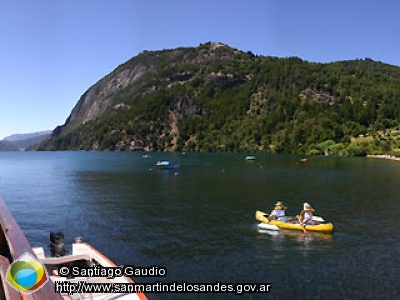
x=198 y=221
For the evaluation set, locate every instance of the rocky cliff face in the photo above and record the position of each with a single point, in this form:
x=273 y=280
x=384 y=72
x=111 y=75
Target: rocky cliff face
x=132 y=82
x=100 y=96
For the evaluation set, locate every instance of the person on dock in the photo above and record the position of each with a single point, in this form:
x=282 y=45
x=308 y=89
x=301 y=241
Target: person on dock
x=306 y=215
x=278 y=213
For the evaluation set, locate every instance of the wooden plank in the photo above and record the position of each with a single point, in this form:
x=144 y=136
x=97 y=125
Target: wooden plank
x=9 y=292
x=18 y=245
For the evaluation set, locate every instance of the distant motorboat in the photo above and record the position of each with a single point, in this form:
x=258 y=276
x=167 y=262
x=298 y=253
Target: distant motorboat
x=250 y=157
x=166 y=164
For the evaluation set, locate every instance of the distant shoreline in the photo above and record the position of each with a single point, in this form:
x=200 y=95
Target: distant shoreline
x=385 y=156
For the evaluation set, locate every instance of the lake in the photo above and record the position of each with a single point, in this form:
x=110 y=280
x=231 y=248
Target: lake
x=198 y=221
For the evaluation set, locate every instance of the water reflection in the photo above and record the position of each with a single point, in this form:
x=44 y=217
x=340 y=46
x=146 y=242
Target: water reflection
x=289 y=239
x=269 y=232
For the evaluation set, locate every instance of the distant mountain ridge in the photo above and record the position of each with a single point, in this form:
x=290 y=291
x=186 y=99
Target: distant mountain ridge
x=25 y=136
x=18 y=142
x=217 y=98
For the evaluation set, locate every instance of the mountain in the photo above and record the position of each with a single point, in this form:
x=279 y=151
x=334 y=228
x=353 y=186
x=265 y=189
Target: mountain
x=6 y=146
x=25 y=136
x=18 y=142
x=217 y=98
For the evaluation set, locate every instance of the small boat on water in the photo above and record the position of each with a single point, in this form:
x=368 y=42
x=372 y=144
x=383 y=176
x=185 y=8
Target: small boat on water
x=14 y=246
x=84 y=256
x=250 y=157
x=322 y=228
x=166 y=165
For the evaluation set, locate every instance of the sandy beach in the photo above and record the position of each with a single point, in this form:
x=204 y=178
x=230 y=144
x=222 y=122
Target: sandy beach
x=385 y=156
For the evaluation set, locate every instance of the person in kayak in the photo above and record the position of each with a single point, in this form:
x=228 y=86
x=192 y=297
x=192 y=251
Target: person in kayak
x=278 y=213
x=306 y=215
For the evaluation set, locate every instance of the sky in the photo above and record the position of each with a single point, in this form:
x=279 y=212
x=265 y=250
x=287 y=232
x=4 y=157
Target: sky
x=51 y=52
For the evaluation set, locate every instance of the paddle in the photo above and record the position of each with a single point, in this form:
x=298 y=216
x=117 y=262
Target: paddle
x=302 y=226
x=264 y=217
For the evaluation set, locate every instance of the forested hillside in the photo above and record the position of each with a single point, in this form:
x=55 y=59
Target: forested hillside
x=216 y=98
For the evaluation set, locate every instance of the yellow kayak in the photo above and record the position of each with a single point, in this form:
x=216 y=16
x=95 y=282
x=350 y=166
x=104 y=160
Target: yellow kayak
x=324 y=228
